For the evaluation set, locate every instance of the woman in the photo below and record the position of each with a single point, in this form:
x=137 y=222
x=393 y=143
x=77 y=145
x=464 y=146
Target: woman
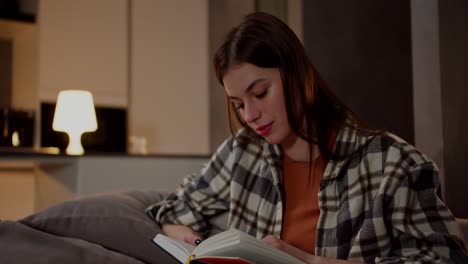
x=303 y=173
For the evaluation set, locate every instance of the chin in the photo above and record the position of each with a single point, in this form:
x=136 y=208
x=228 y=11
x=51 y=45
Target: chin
x=272 y=140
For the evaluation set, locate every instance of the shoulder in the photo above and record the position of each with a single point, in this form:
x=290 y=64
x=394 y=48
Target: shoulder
x=386 y=162
x=382 y=153
x=367 y=143
x=396 y=149
x=398 y=161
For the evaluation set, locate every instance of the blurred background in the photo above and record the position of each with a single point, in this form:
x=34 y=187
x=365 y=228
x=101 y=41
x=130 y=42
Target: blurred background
x=401 y=65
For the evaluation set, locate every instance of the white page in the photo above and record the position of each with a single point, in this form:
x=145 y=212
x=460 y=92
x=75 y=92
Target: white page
x=179 y=249
x=245 y=246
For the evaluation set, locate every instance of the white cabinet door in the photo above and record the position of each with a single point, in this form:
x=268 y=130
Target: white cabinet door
x=170 y=64
x=84 y=45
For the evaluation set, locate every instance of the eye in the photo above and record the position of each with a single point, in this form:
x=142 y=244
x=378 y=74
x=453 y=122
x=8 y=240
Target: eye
x=262 y=94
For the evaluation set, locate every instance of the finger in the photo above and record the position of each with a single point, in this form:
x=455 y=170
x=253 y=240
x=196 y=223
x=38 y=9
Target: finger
x=273 y=241
x=288 y=248
x=193 y=238
x=270 y=238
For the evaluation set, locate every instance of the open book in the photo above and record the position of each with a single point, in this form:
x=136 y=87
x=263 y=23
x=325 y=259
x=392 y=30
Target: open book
x=231 y=246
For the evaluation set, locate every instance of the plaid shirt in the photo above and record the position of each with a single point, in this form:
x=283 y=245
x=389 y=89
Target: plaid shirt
x=377 y=205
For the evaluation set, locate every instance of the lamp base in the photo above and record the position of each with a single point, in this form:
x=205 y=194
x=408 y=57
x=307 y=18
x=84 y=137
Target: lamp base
x=74 y=145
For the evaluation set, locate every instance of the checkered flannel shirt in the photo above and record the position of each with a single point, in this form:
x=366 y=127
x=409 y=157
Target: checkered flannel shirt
x=377 y=205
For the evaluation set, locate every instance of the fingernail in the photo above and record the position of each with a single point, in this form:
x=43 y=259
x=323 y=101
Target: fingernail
x=198 y=241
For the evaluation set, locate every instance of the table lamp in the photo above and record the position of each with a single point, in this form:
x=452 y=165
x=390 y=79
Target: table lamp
x=74 y=115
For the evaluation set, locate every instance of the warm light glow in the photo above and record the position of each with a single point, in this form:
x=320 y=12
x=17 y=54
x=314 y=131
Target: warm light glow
x=15 y=141
x=74 y=114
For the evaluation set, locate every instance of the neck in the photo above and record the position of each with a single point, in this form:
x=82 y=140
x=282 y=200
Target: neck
x=298 y=150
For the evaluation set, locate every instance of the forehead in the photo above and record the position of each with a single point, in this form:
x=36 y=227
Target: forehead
x=239 y=77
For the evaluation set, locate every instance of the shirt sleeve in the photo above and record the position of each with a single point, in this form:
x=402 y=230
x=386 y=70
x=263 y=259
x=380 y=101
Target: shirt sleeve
x=423 y=228
x=201 y=195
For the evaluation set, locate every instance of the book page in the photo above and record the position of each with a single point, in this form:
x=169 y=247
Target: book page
x=219 y=260
x=178 y=249
x=234 y=243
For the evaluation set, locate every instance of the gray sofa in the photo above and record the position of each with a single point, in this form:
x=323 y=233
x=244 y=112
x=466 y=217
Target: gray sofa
x=104 y=228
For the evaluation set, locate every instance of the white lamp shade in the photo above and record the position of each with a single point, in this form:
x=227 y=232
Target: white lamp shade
x=74 y=114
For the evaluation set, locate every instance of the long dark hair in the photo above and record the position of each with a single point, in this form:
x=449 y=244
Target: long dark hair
x=265 y=41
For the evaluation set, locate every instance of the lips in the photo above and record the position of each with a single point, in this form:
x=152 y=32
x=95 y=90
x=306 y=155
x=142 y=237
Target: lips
x=264 y=130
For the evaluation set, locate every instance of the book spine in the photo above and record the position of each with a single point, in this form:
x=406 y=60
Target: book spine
x=189 y=259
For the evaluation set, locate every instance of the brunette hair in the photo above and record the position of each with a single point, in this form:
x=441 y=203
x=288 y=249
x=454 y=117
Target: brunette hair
x=265 y=41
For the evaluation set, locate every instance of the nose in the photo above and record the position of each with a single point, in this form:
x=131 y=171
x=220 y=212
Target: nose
x=251 y=112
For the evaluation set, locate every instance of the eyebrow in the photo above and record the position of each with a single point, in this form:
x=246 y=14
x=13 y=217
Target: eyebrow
x=249 y=88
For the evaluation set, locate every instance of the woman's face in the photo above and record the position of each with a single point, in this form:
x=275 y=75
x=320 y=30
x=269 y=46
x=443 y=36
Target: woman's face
x=257 y=94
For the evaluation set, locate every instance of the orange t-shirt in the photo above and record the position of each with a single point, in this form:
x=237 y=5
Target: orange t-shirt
x=301 y=210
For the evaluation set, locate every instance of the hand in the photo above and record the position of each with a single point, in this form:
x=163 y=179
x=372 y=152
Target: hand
x=289 y=249
x=182 y=233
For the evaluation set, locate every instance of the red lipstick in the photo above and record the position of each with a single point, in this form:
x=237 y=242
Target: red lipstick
x=264 y=130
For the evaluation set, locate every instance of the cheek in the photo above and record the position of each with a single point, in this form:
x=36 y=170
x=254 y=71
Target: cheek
x=279 y=105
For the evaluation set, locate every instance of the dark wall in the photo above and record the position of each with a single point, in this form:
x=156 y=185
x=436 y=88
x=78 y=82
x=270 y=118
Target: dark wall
x=21 y=10
x=453 y=25
x=5 y=73
x=363 y=50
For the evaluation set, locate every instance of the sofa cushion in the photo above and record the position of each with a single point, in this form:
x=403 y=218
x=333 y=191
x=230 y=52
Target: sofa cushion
x=22 y=244
x=116 y=221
